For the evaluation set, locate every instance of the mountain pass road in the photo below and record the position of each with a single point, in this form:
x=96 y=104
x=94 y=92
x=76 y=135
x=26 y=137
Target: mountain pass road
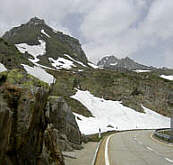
x=138 y=148
x=135 y=148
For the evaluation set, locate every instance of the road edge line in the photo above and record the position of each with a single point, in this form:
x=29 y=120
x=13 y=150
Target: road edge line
x=96 y=152
x=106 y=151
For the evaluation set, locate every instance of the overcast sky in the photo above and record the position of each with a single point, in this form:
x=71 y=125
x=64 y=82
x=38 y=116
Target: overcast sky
x=140 y=29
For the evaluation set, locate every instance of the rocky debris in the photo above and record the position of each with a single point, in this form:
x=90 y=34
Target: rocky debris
x=111 y=62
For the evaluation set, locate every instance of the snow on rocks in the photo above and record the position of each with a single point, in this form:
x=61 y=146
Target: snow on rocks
x=43 y=32
x=113 y=64
x=93 y=65
x=39 y=73
x=142 y=71
x=34 y=50
x=80 y=63
x=112 y=115
x=62 y=63
x=170 y=77
x=2 y=68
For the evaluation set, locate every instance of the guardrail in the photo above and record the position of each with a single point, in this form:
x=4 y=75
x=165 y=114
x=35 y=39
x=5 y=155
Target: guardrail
x=160 y=134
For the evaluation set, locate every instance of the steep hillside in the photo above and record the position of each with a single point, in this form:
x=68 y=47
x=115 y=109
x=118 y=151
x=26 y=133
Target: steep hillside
x=58 y=59
x=132 y=88
x=45 y=46
x=112 y=115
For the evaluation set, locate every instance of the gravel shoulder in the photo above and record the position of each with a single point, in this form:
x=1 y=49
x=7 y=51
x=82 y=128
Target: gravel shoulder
x=81 y=157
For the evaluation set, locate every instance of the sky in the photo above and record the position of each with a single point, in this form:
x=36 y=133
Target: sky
x=139 y=29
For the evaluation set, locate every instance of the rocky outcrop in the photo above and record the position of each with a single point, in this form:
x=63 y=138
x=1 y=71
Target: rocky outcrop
x=35 y=127
x=23 y=127
x=62 y=121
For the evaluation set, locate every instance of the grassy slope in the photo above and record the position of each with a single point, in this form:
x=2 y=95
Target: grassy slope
x=133 y=89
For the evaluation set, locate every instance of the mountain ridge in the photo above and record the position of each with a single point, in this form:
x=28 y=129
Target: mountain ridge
x=112 y=62
x=57 y=44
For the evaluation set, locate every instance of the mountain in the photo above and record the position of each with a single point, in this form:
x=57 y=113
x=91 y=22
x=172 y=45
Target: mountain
x=111 y=62
x=50 y=94
x=43 y=45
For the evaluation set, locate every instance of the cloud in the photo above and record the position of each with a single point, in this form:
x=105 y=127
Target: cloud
x=126 y=27
x=135 y=28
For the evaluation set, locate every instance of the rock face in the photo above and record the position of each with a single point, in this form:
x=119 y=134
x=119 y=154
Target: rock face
x=57 y=43
x=111 y=62
x=62 y=121
x=35 y=128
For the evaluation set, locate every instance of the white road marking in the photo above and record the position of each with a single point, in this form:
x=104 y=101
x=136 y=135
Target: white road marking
x=149 y=148
x=169 y=160
x=106 y=151
x=95 y=155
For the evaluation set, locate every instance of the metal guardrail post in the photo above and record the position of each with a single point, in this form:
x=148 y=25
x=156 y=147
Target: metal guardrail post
x=160 y=134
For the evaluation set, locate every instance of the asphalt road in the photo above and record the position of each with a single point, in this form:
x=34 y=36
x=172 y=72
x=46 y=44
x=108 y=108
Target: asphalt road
x=138 y=148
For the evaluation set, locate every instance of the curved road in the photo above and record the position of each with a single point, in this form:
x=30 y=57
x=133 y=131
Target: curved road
x=134 y=148
x=138 y=148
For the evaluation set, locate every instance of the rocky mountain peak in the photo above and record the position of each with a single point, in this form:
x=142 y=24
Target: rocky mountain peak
x=55 y=45
x=111 y=62
x=127 y=59
x=35 y=21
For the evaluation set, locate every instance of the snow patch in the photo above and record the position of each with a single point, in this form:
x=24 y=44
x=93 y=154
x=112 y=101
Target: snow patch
x=93 y=65
x=113 y=64
x=142 y=71
x=39 y=73
x=43 y=32
x=2 y=68
x=62 y=63
x=170 y=77
x=80 y=63
x=34 y=50
x=108 y=112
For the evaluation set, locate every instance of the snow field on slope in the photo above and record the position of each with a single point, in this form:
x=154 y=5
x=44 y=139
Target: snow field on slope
x=80 y=63
x=170 y=77
x=2 y=68
x=113 y=64
x=34 y=50
x=93 y=65
x=142 y=71
x=43 y=32
x=62 y=63
x=39 y=73
x=113 y=113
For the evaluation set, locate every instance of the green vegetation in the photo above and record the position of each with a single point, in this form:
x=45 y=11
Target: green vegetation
x=77 y=107
x=21 y=78
x=132 y=88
